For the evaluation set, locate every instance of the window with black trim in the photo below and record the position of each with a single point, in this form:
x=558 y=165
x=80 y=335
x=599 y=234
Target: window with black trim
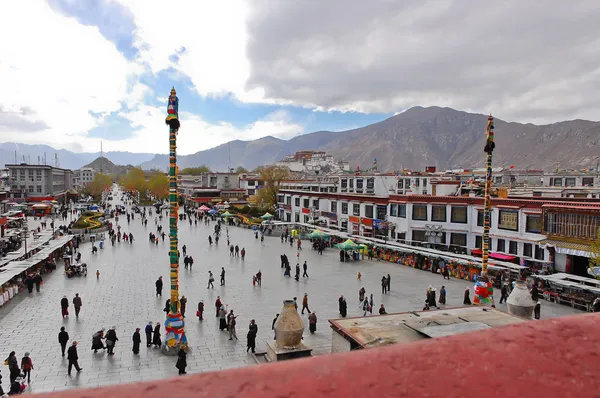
x=458 y=214
x=539 y=253
x=508 y=219
x=438 y=213
x=513 y=247
x=419 y=236
x=306 y=203
x=533 y=223
x=297 y=202
x=333 y=207
x=480 y=218
x=457 y=239
x=419 y=213
x=402 y=210
x=356 y=209
x=393 y=210
x=478 y=241
x=344 y=208
x=527 y=250
x=501 y=245
x=369 y=211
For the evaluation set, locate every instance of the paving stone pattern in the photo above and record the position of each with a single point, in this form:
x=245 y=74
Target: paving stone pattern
x=124 y=296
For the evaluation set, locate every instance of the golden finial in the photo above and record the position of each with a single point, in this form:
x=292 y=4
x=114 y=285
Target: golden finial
x=173 y=92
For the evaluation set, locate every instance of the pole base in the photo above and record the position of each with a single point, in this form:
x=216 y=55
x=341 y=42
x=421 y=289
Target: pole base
x=483 y=292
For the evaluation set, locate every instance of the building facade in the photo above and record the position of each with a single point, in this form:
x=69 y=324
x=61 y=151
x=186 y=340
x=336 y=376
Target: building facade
x=83 y=176
x=39 y=182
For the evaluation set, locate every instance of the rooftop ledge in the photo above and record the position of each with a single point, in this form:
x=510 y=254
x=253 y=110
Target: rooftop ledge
x=550 y=358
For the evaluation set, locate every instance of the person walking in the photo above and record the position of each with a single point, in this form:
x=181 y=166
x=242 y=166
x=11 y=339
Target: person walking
x=148 y=331
x=77 y=304
x=361 y=294
x=64 y=306
x=156 y=338
x=305 y=303
x=111 y=340
x=218 y=305
x=211 y=280
x=365 y=306
x=251 y=336
x=222 y=318
x=182 y=305
x=200 y=312
x=297 y=277
x=72 y=356
x=184 y=249
x=137 y=339
x=97 y=343
x=182 y=359
x=223 y=275
x=467 y=299
x=442 y=299
x=159 y=286
x=243 y=253
x=27 y=366
x=504 y=293
x=537 y=310
x=343 y=306
x=312 y=322
x=13 y=366
x=259 y=278
x=371 y=302
x=63 y=338
x=37 y=279
x=383 y=285
x=389 y=282
x=231 y=325
x=305 y=268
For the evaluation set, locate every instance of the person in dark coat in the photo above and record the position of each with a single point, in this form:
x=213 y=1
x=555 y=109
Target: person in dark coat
x=312 y=322
x=64 y=306
x=137 y=339
x=29 y=282
x=503 y=293
x=156 y=338
x=431 y=298
x=273 y=326
x=159 y=286
x=111 y=340
x=181 y=360
x=63 y=338
x=251 y=336
x=37 y=279
x=167 y=307
x=182 y=304
x=97 y=343
x=343 y=307
x=442 y=299
x=201 y=310
x=218 y=305
x=148 y=331
x=13 y=366
x=382 y=310
x=73 y=357
x=467 y=299
x=534 y=293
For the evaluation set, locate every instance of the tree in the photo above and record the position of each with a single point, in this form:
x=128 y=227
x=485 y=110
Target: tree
x=158 y=184
x=271 y=177
x=241 y=169
x=99 y=184
x=135 y=180
x=195 y=170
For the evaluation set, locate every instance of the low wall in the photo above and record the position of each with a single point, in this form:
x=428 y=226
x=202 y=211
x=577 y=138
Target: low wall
x=551 y=358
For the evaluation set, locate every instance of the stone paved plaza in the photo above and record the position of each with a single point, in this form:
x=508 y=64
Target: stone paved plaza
x=124 y=296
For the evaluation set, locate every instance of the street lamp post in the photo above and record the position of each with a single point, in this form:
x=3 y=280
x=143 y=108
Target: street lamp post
x=25 y=233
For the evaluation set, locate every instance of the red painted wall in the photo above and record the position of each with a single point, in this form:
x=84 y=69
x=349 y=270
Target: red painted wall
x=537 y=359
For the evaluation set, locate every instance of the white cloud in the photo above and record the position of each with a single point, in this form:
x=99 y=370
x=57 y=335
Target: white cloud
x=209 y=38
x=196 y=134
x=60 y=71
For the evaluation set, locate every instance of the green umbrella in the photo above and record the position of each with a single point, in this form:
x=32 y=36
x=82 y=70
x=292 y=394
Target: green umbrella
x=318 y=234
x=266 y=215
x=226 y=214
x=347 y=245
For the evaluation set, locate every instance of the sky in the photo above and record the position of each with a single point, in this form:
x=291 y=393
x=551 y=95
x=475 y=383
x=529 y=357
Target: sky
x=77 y=72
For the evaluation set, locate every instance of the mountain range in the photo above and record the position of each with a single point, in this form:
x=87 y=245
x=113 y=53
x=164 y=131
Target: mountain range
x=418 y=137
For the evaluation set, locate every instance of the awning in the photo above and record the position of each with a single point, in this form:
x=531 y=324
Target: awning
x=476 y=252
x=503 y=257
x=571 y=248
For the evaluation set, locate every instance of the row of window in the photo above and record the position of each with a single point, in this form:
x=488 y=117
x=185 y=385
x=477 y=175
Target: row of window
x=460 y=239
x=349 y=183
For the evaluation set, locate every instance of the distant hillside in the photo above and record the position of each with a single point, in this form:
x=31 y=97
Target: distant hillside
x=105 y=166
x=67 y=159
x=420 y=137
x=416 y=138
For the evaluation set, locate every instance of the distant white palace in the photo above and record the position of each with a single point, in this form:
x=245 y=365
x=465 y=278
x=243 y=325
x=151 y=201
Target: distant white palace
x=313 y=162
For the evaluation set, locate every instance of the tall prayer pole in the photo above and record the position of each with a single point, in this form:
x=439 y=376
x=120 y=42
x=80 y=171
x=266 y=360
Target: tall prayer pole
x=484 y=292
x=174 y=325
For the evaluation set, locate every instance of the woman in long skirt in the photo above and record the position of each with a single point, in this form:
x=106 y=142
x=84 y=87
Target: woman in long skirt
x=467 y=299
x=222 y=318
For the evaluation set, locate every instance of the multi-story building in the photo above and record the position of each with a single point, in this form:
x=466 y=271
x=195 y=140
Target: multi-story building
x=83 y=176
x=571 y=228
x=250 y=183
x=572 y=178
x=39 y=182
x=454 y=223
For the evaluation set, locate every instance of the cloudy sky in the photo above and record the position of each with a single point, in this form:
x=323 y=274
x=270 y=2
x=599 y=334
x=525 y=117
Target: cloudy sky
x=74 y=72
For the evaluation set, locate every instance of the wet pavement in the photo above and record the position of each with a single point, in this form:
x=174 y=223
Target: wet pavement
x=124 y=296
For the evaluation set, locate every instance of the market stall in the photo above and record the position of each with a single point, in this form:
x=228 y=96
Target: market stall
x=577 y=291
x=348 y=250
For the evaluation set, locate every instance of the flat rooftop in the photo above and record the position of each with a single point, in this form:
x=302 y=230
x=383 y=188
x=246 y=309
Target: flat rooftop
x=406 y=327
